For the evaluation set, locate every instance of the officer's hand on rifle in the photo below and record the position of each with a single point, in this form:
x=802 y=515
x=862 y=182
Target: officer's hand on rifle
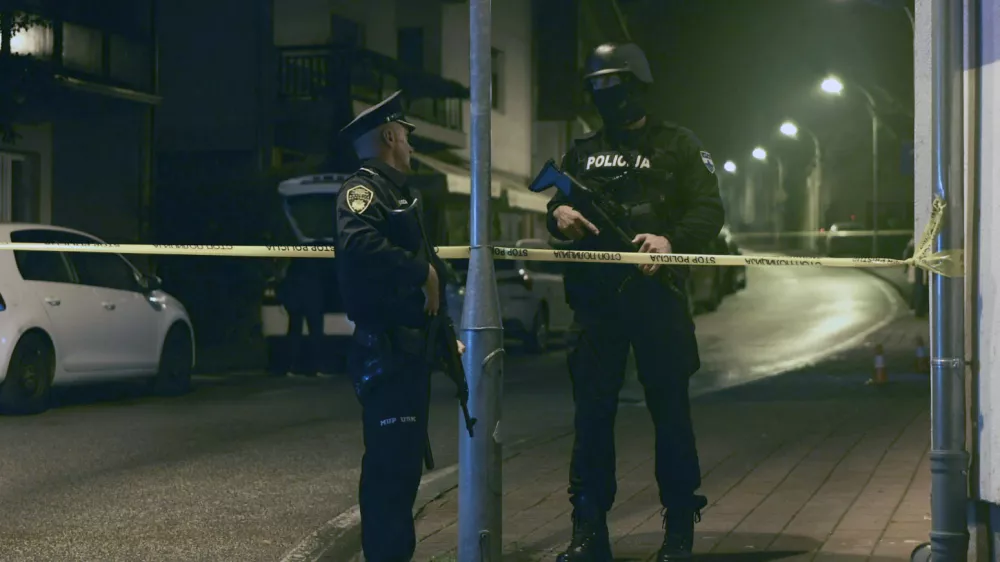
x=652 y=244
x=572 y=224
x=432 y=292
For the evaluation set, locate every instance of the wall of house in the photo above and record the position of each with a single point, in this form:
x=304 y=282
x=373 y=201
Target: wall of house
x=36 y=145
x=512 y=130
x=217 y=76
x=307 y=22
x=97 y=170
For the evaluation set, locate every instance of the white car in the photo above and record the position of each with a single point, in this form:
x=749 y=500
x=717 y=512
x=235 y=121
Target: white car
x=76 y=317
x=532 y=296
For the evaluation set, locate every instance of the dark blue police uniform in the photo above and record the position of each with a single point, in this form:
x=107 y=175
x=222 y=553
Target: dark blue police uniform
x=666 y=183
x=383 y=258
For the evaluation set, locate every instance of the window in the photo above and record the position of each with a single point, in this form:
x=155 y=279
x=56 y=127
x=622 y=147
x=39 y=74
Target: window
x=410 y=47
x=19 y=197
x=496 y=90
x=50 y=267
x=311 y=214
x=109 y=271
x=82 y=48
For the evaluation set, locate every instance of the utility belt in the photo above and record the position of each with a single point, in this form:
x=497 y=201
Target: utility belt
x=392 y=339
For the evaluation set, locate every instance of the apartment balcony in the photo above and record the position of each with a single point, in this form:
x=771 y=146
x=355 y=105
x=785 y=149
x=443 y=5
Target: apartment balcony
x=47 y=50
x=314 y=80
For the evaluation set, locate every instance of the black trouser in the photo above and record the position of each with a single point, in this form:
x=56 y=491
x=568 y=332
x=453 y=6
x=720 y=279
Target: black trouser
x=303 y=300
x=394 y=399
x=656 y=324
x=311 y=361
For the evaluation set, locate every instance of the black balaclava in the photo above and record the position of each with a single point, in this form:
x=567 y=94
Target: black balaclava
x=620 y=104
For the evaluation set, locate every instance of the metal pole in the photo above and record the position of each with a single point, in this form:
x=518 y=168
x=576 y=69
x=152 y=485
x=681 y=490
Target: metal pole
x=480 y=479
x=874 y=183
x=779 y=207
x=873 y=111
x=816 y=210
x=949 y=459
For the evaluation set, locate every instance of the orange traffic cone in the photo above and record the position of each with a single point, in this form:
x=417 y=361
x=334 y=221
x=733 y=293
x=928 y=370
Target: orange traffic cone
x=923 y=364
x=879 y=377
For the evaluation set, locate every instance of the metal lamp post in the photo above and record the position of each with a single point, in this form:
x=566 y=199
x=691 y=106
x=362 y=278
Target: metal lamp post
x=480 y=462
x=835 y=86
x=791 y=129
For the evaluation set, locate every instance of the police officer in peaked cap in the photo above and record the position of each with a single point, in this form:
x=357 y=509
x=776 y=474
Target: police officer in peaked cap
x=389 y=280
x=665 y=182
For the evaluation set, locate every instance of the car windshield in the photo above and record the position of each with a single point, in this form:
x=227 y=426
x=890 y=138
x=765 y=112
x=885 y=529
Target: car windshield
x=313 y=214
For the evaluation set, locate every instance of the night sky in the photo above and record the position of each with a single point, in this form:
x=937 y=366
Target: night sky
x=732 y=70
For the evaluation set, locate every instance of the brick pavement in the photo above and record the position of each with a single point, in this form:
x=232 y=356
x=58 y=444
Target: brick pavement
x=811 y=465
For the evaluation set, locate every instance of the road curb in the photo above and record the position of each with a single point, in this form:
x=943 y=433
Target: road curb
x=339 y=539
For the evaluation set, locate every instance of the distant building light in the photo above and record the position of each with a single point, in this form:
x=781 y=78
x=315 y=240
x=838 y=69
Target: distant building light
x=36 y=40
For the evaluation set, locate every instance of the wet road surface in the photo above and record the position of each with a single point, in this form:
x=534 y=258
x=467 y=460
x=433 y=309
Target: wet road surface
x=245 y=467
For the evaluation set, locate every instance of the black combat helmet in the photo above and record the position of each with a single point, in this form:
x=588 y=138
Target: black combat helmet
x=611 y=58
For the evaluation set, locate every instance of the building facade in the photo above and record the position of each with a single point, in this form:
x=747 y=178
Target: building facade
x=83 y=157
x=421 y=47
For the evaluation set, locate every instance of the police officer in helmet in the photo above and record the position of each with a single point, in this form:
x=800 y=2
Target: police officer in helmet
x=666 y=184
x=389 y=283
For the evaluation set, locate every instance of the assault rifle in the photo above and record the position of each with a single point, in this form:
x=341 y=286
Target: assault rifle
x=606 y=215
x=442 y=343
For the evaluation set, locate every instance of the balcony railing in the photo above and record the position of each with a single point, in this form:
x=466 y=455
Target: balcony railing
x=85 y=53
x=313 y=73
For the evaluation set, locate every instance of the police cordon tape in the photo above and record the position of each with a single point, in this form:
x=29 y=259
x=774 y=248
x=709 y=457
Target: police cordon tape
x=822 y=234
x=948 y=263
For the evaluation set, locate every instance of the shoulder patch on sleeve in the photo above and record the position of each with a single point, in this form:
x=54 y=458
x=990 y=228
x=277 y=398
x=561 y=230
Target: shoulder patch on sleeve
x=359 y=197
x=706 y=158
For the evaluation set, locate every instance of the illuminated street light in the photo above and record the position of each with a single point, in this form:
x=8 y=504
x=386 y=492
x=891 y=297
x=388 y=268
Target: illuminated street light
x=759 y=153
x=789 y=129
x=832 y=85
x=729 y=166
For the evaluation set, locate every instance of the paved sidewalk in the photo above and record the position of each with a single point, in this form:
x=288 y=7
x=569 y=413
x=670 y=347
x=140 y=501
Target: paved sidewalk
x=812 y=465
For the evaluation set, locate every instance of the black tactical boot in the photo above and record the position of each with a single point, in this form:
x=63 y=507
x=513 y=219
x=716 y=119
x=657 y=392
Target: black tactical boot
x=590 y=540
x=678 y=540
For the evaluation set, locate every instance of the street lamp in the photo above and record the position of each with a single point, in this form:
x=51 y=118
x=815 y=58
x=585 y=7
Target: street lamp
x=833 y=85
x=791 y=130
x=760 y=154
x=729 y=166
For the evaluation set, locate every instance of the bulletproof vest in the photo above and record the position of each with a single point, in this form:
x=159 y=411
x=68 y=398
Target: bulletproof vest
x=635 y=179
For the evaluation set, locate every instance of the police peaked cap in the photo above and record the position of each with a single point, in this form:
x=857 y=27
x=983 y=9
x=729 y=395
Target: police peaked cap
x=611 y=58
x=388 y=110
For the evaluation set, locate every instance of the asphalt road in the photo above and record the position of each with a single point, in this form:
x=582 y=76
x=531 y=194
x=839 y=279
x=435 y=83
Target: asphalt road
x=243 y=468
